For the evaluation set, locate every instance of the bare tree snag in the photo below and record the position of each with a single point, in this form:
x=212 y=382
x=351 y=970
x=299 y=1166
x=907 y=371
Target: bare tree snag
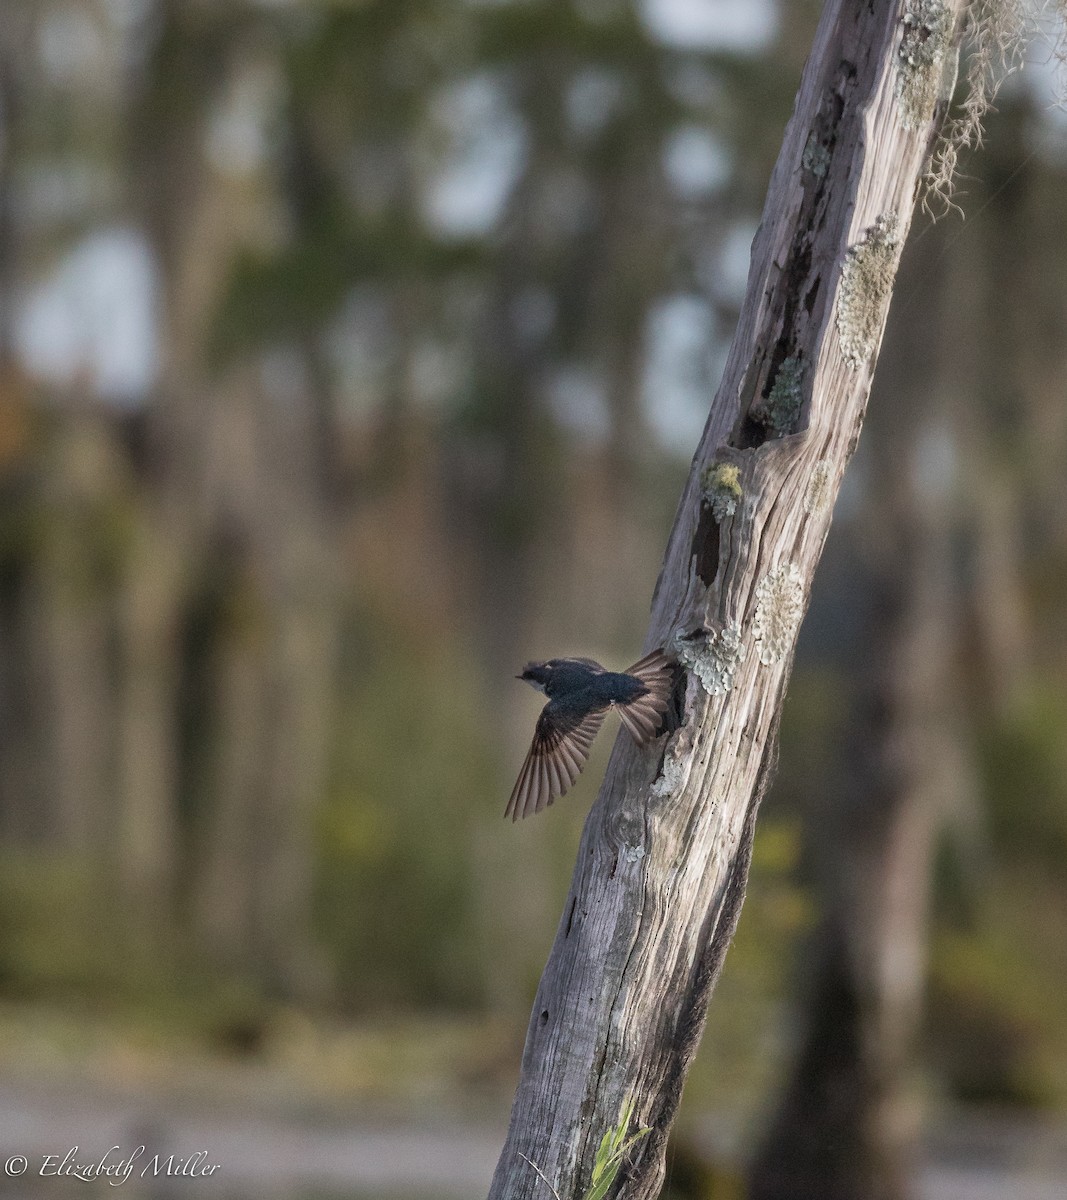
x=664 y=856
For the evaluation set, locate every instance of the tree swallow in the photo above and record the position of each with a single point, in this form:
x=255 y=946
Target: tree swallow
x=580 y=691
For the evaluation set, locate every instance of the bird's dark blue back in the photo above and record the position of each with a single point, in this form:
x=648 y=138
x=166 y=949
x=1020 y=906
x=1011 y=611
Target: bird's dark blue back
x=571 y=678
x=565 y=676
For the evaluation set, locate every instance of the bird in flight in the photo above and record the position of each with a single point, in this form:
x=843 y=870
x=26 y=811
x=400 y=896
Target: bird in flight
x=580 y=692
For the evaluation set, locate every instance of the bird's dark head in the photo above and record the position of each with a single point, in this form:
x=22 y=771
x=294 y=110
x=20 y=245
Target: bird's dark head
x=536 y=675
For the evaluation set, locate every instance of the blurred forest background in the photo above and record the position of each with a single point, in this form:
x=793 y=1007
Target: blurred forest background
x=352 y=355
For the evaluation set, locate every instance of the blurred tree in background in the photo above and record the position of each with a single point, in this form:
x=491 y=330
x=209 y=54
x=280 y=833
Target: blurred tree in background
x=350 y=355
x=413 y=278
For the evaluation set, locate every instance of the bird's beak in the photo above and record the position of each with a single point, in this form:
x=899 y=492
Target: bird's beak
x=518 y=676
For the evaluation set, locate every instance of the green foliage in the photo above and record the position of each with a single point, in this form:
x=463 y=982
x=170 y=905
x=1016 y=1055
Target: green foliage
x=521 y=501
x=367 y=65
x=739 y=1059
x=296 y=291
x=66 y=941
x=810 y=739
x=397 y=885
x=612 y=1151
x=70 y=506
x=994 y=989
x=1024 y=770
x=52 y=932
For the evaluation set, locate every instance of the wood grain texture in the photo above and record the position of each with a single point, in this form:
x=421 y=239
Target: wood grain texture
x=663 y=859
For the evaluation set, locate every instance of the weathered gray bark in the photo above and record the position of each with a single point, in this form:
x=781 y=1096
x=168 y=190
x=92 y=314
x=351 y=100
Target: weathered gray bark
x=664 y=856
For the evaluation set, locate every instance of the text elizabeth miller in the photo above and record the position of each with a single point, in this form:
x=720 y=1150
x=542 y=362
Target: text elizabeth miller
x=118 y=1169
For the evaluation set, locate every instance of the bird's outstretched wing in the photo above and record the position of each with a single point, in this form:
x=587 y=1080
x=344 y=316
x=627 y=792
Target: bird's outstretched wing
x=643 y=716
x=560 y=749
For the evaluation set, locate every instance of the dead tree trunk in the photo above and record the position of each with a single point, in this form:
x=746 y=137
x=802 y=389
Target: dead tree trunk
x=664 y=857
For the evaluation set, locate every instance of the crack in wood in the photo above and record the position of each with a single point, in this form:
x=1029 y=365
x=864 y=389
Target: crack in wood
x=706 y=545
x=796 y=291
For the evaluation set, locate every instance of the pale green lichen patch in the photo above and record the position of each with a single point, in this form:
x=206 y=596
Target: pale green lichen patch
x=779 y=607
x=713 y=657
x=816 y=158
x=817 y=493
x=779 y=411
x=866 y=284
x=721 y=483
x=924 y=50
x=670 y=779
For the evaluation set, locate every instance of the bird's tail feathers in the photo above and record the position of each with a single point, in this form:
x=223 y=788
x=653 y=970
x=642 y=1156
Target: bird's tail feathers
x=643 y=717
